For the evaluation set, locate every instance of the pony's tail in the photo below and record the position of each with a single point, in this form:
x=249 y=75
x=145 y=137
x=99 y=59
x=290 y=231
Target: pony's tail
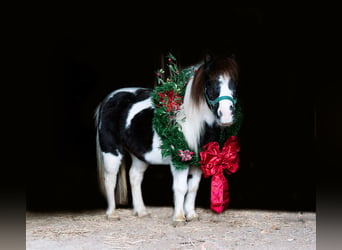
x=121 y=194
x=99 y=157
x=100 y=165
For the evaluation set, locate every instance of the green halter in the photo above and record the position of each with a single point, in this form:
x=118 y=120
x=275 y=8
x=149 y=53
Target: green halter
x=218 y=99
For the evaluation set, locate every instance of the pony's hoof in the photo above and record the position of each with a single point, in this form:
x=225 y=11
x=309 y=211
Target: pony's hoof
x=192 y=217
x=179 y=220
x=178 y=223
x=141 y=214
x=112 y=217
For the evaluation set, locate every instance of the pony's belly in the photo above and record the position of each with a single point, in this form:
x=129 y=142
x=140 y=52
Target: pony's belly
x=155 y=156
x=157 y=160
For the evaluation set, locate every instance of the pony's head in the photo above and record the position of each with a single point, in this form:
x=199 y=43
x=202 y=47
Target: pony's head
x=215 y=83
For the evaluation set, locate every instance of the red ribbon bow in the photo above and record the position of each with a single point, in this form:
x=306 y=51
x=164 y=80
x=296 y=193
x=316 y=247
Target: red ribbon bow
x=214 y=163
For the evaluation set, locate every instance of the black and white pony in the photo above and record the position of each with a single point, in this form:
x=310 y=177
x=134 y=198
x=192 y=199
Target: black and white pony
x=124 y=125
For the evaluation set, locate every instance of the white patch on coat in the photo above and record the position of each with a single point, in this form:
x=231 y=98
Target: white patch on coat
x=130 y=90
x=98 y=123
x=111 y=167
x=111 y=162
x=155 y=155
x=225 y=106
x=137 y=108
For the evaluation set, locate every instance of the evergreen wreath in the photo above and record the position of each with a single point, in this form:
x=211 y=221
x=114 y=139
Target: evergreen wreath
x=167 y=98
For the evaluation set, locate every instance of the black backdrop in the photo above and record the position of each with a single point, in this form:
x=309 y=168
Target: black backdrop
x=86 y=57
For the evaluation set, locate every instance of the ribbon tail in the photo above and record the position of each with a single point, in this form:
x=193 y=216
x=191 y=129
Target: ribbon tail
x=219 y=199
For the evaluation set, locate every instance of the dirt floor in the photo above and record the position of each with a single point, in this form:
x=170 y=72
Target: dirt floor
x=232 y=229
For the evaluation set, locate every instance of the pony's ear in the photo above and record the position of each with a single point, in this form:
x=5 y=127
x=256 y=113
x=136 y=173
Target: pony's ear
x=208 y=57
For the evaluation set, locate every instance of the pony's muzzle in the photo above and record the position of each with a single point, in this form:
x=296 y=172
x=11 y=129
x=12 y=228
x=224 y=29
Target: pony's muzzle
x=226 y=124
x=225 y=114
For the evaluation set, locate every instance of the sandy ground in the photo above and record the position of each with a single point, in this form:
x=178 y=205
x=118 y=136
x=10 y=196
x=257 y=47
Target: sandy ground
x=232 y=229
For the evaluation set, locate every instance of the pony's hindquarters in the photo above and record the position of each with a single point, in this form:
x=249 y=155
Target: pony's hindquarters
x=123 y=124
x=111 y=173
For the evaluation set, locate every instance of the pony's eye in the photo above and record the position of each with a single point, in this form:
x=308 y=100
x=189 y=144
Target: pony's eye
x=212 y=92
x=211 y=95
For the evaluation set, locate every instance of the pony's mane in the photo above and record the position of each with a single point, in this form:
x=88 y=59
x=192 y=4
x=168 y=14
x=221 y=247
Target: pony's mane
x=220 y=66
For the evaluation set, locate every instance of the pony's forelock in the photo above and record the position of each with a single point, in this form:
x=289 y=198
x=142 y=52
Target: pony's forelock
x=224 y=66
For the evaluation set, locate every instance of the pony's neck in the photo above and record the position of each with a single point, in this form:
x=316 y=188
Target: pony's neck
x=193 y=117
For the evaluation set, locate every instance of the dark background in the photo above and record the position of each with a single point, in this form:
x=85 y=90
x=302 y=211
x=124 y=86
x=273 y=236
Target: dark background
x=85 y=57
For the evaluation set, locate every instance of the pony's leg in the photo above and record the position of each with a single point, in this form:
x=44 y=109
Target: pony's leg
x=111 y=167
x=136 y=175
x=179 y=190
x=193 y=184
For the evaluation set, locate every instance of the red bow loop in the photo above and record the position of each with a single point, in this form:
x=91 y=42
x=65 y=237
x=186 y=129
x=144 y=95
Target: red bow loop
x=230 y=155
x=213 y=163
x=210 y=159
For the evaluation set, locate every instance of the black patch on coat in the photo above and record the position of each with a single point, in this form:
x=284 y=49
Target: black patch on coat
x=212 y=88
x=212 y=133
x=112 y=119
x=233 y=87
x=139 y=135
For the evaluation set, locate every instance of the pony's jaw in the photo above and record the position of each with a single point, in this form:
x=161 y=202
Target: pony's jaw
x=226 y=124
